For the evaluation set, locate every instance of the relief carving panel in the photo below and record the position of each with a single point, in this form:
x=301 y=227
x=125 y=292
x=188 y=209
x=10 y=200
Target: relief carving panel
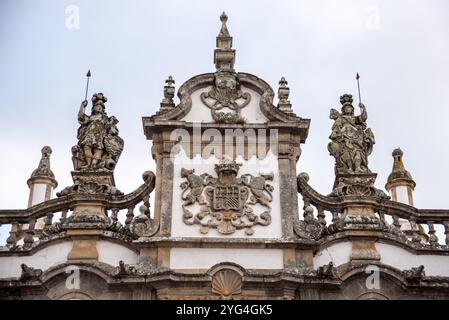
x=226 y=203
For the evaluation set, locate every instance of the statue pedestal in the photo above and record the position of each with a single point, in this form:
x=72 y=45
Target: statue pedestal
x=85 y=226
x=356 y=185
x=355 y=180
x=89 y=182
x=359 y=216
x=96 y=176
x=90 y=192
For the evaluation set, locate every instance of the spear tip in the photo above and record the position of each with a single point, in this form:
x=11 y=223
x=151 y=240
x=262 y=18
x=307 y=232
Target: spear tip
x=357 y=76
x=88 y=73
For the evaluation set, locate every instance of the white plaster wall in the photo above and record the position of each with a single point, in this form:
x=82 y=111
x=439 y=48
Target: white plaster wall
x=38 y=193
x=108 y=252
x=111 y=253
x=201 y=113
x=397 y=257
x=402 y=194
x=404 y=260
x=205 y=258
x=338 y=253
x=253 y=166
x=43 y=259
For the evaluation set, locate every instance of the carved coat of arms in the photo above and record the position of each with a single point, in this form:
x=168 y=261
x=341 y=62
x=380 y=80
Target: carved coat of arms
x=226 y=202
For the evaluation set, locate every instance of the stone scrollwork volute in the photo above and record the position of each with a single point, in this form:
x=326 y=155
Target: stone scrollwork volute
x=309 y=228
x=226 y=202
x=225 y=99
x=143 y=225
x=351 y=141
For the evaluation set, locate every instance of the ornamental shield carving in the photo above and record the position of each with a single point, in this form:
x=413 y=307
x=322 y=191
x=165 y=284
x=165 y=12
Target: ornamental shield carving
x=226 y=202
x=227 y=198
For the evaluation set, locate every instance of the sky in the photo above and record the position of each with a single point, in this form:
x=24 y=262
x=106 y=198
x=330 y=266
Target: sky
x=400 y=48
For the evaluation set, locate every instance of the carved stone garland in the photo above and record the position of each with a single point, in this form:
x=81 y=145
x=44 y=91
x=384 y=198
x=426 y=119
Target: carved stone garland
x=226 y=201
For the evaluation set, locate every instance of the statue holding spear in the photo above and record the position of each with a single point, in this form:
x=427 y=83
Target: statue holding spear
x=351 y=141
x=99 y=145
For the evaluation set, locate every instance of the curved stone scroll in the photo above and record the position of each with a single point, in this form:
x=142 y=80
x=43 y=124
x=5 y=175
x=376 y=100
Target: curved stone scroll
x=143 y=225
x=309 y=228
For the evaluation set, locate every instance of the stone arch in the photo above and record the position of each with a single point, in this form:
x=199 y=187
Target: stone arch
x=99 y=269
x=75 y=295
x=226 y=265
x=80 y=282
x=371 y=282
x=370 y=295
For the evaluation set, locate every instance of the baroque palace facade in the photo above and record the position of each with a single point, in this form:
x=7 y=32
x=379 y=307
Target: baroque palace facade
x=231 y=218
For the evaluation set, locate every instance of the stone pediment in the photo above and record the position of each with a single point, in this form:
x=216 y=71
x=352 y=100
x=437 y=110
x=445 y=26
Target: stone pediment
x=226 y=99
x=246 y=80
x=262 y=96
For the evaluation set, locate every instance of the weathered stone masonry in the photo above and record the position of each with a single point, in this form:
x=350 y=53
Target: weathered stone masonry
x=226 y=221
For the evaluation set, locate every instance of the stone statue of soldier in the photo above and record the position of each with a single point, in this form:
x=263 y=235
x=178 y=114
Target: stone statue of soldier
x=99 y=145
x=352 y=142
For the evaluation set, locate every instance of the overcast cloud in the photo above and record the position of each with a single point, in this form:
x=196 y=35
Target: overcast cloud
x=400 y=48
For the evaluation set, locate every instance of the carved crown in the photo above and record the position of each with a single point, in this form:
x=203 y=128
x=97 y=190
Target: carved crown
x=345 y=99
x=227 y=165
x=99 y=97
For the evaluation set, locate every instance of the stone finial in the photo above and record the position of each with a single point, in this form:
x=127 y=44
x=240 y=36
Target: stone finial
x=43 y=169
x=224 y=29
x=169 y=92
x=224 y=55
x=283 y=93
x=398 y=173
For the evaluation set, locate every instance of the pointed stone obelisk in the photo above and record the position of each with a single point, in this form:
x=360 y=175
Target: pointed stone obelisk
x=224 y=55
